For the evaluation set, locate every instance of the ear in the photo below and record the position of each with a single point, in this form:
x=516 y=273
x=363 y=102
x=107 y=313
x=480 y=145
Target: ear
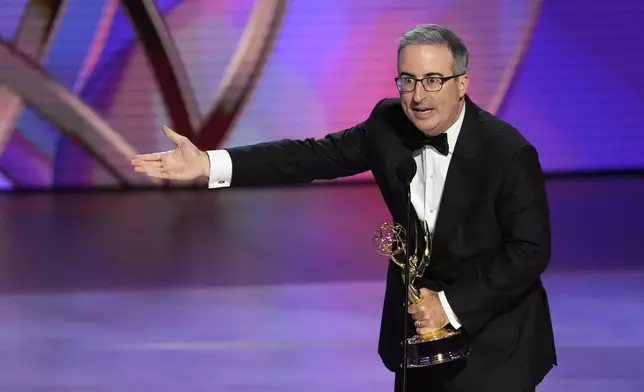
x=463 y=83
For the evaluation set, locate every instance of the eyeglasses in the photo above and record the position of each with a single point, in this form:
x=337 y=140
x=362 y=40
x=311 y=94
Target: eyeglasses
x=431 y=84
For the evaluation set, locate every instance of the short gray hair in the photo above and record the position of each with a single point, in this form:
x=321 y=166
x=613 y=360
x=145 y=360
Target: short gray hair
x=433 y=34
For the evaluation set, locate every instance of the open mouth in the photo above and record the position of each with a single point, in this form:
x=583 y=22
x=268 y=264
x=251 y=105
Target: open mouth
x=423 y=112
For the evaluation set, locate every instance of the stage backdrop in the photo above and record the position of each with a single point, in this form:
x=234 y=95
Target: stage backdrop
x=86 y=84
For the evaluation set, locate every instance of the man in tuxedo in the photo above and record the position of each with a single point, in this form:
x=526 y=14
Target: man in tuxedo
x=478 y=186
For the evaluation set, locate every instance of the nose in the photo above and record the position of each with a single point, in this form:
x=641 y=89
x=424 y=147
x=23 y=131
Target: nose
x=419 y=91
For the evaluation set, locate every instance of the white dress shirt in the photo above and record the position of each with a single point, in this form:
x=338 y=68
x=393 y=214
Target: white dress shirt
x=426 y=186
x=427 y=189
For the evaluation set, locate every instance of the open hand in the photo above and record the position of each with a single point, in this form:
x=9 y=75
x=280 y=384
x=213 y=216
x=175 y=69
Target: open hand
x=428 y=314
x=185 y=162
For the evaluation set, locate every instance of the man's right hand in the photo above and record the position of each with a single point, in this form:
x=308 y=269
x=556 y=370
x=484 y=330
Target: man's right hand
x=185 y=162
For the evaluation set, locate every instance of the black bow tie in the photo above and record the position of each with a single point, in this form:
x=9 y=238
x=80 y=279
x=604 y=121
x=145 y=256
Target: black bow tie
x=439 y=142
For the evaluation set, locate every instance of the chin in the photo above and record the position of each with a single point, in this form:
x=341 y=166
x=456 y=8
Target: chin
x=427 y=127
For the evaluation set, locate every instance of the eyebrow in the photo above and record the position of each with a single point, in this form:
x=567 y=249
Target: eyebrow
x=426 y=75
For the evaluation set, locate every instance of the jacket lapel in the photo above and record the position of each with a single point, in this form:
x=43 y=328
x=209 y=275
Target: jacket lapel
x=462 y=179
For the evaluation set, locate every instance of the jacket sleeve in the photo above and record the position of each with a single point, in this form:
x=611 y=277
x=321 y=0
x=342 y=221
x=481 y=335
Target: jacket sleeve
x=339 y=154
x=524 y=217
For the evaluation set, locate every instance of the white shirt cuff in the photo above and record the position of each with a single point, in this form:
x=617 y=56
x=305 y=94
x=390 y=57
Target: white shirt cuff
x=448 y=311
x=221 y=169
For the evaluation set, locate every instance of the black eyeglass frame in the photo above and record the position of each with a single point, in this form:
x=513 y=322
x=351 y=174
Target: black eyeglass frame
x=443 y=80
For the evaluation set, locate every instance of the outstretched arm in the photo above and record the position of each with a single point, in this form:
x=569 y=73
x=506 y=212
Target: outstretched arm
x=339 y=154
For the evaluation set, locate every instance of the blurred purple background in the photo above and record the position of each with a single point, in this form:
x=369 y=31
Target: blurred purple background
x=566 y=73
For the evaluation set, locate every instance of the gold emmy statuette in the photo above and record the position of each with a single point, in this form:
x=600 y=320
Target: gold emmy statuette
x=440 y=346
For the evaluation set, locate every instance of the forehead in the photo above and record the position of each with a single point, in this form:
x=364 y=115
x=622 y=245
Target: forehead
x=422 y=59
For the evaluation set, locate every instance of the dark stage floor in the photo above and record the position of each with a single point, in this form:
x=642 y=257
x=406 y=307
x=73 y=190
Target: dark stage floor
x=272 y=289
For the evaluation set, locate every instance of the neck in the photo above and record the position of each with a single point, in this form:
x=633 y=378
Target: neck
x=456 y=115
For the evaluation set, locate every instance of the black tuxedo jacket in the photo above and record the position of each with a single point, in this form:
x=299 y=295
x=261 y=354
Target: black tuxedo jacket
x=491 y=241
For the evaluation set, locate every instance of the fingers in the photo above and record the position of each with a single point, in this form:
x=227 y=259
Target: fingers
x=154 y=172
x=147 y=164
x=172 y=135
x=148 y=169
x=423 y=320
x=155 y=156
x=418 y=312
x=153 y=168
x=428 y=314
x=148 y=157
x=426 y=326
x=426 y=323
x=426 y=330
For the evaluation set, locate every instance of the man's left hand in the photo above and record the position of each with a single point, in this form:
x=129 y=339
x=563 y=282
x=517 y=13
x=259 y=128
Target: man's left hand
x=428 y=313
